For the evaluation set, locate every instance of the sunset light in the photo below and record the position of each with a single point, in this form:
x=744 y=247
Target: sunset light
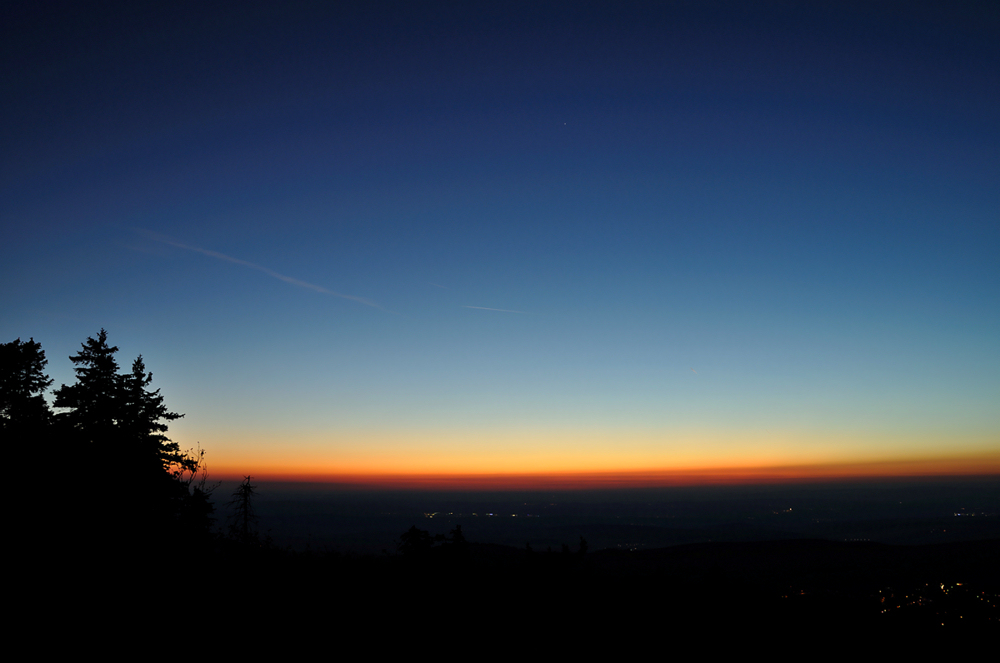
x=286 y=277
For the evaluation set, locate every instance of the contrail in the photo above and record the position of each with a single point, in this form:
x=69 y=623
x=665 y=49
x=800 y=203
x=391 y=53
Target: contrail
x=259 y=268
x=501 y=310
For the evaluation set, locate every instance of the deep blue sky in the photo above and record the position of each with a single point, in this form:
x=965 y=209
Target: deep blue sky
x=715 y=231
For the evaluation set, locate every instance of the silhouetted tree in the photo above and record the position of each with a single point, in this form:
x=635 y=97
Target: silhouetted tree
x=22 y=382
x=457 y=544
x=25 y=417
x=142 y=414
x=93 y=403
x=243 y=519
x=415 y=542
x=194 y=509
x=121 y=422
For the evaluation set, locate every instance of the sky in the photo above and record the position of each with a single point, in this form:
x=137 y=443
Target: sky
x=628 y=242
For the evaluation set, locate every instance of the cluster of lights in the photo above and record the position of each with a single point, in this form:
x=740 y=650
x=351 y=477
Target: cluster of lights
x=438 y=514
x=920 y=598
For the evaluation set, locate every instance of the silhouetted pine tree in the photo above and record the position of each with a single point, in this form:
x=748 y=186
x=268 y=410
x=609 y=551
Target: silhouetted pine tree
x=415 y=543
x=117 y=424
x=243 y=519
x=92 y=404
x=142 y=420
x=458 y=547
x=25 y=420
x=22 y=382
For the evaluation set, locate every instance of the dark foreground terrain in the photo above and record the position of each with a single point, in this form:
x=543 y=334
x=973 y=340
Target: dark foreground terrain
x=635 y=566
x=454 y=586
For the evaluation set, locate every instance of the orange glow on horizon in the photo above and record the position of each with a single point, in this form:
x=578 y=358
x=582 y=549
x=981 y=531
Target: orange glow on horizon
x=979 y=465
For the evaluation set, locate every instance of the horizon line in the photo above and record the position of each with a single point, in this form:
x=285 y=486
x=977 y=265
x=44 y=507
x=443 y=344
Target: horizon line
x=937 y=468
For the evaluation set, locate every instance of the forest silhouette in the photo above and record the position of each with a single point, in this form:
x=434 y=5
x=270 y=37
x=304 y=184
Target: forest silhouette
x=106 y=443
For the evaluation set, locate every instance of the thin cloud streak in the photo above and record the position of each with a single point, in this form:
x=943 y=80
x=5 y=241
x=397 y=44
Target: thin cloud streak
x=501 y=310
x=259 y=268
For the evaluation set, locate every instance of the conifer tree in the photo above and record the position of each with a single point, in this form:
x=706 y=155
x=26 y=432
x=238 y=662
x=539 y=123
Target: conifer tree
x=22 y=382
x=121 y=422
x=243 y=520
x=142 y=416
x=93 y=401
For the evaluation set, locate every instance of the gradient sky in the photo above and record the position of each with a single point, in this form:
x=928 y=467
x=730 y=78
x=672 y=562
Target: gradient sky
x=501 y=238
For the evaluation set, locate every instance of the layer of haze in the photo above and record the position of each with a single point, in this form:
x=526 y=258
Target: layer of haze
x=430 y=240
